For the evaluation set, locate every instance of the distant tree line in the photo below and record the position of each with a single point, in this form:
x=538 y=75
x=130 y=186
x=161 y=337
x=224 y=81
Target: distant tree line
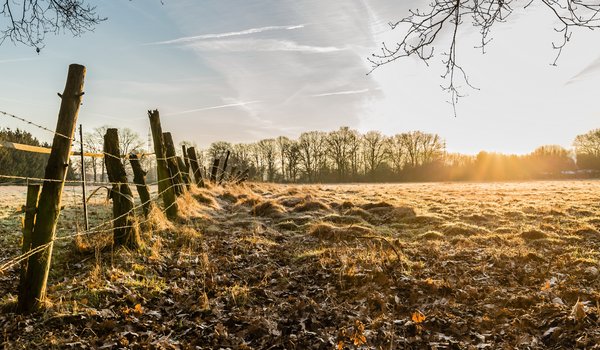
x=343 y=155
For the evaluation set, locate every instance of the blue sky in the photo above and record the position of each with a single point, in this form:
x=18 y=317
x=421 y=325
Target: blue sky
x=245 y=70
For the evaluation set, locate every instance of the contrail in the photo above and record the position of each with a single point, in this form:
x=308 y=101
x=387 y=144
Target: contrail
x=239 y=104
x=188 y=39
x=349 y=92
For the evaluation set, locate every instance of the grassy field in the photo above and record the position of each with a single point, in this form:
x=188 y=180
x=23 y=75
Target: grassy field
x=467 y=265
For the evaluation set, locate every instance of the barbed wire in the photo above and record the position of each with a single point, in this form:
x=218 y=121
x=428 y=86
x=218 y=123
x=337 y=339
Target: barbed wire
x=7 y=264
x=34 y=124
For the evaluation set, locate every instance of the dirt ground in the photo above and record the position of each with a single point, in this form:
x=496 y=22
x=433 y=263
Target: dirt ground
x=261 y=266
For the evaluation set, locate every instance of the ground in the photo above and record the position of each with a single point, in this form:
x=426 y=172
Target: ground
x=261 y=266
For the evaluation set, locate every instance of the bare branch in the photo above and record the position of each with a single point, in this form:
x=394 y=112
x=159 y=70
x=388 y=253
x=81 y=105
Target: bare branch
x=29 y=22
x=422 y=31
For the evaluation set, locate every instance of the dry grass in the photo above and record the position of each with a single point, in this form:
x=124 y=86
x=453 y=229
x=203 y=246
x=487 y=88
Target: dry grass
x=498 y=265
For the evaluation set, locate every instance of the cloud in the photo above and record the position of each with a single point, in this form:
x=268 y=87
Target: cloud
x=348 y=92
x=188 y=39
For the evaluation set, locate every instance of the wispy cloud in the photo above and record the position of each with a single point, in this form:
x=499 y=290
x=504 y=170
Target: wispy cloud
x=347 y=92
x=265 y=45
x=189 y=39
x=229 y=105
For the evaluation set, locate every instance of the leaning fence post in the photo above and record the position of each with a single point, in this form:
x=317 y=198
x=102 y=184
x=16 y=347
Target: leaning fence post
x=139 y=178
x=38 y=265
x=30 y=209
x=224 y=170
x=214 y=170
x=185 y=175
x=125 y=231
x=195 y=166
x=172 y=163
x=165 y=183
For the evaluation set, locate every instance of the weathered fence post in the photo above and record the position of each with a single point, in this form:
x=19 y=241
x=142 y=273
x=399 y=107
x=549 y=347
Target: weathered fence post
x=186 y=160
x=125 y=230
x=195 y=166
x=185 y=175
x=214 y=170
x=224 y=170
x=30 y=209
x=172 y=163
x=38 y=265
x=165 y=183
x=139 y=178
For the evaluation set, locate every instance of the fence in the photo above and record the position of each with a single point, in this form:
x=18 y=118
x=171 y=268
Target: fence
x=43 y=205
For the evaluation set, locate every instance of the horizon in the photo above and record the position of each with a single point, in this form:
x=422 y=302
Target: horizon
x=283 y=68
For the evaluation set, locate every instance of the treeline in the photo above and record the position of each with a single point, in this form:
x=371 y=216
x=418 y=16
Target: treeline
x=345 y=155
x=20 y=163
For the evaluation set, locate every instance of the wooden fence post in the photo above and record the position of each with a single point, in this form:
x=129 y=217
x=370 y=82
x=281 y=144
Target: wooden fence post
x=38 y=265
x=195 y=166
x=185 y=175
x=165 y=184
x=172 y=163
x=139 y=178
x=224 y=170
x=186 y=160
x=33 y=192
x=214 y=170
x=125 y=230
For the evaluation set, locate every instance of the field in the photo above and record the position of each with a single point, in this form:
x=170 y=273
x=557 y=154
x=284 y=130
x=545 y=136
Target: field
x=262 y=266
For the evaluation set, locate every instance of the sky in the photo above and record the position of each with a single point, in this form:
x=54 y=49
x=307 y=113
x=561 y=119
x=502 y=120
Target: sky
x=241 y=71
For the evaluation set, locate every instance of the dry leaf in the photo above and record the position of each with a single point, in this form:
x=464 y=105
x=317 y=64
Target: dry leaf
x=418 y=317
x=578 y=311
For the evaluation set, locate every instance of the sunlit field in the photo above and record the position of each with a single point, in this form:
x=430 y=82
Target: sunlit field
x=428 y=265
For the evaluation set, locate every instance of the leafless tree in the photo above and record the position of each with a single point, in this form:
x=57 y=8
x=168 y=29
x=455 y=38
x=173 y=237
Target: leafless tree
x=375 y=150
x=28 y=21
x=422 y=30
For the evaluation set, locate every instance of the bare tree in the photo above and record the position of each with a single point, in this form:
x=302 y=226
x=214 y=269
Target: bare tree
x=340 y=147
x=587 y=149
x=312 y=149
x=268 y=151
x=375 y=150
x=422 y=30
x=28 y=21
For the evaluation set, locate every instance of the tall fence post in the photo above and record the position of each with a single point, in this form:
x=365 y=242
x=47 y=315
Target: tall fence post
x=173 y=164
x=139 y=178
x=125 y=231
x=33 y=192
x=38 y=265
x=195 y=166
x=165 y=184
